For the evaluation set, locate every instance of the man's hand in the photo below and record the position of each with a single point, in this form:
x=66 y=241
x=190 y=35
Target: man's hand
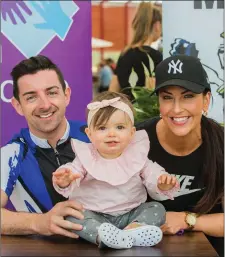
x=167 y=182
x=64 y=177
x=175 y=221
x=53 y=222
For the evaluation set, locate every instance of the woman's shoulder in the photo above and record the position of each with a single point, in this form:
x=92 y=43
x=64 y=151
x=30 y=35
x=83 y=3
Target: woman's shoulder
x=152 y=50
x=142 y=51
x=127 y=52
x=126 y=56
x=155 y=54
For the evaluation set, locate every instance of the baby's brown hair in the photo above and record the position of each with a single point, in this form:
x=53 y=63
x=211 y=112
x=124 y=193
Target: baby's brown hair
x=104 y=114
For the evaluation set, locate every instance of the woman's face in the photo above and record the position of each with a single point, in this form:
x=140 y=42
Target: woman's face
x=181 y=110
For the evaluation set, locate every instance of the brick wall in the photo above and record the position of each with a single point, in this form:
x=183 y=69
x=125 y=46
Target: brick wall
x=116 y=24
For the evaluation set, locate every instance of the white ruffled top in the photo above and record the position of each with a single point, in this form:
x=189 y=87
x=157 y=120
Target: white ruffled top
x=114 y=185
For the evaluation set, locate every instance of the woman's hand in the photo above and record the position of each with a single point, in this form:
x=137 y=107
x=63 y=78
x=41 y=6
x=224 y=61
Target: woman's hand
x=175 y=221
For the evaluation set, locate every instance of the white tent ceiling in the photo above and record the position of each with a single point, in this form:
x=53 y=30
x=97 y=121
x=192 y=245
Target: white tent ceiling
x=100 y=43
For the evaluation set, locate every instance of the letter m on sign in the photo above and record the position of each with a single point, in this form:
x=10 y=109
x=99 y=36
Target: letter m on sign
x=209 y=4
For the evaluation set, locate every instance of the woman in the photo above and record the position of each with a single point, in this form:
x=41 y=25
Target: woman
x=137 y=62
x=191 y=146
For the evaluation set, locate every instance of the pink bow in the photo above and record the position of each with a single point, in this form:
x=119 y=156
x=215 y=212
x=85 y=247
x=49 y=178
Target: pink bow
x=104 y=103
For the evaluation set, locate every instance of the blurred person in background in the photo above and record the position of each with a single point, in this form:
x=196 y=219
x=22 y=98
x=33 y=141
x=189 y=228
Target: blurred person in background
x=137 y=62
x=112 y=64
x=105 y=76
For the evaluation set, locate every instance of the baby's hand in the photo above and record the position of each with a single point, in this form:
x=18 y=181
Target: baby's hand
x=64 y=177
x=167 y=182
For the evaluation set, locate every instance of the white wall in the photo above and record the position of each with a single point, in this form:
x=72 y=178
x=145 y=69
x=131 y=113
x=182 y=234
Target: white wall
x=202 y=27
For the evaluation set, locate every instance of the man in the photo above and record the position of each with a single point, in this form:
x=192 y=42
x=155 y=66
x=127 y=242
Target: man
x=28 y=160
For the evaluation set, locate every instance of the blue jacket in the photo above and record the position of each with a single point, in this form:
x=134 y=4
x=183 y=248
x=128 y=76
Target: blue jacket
x=27 y=169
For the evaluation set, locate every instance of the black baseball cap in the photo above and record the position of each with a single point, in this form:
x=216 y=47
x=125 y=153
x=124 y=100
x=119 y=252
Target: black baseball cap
x=184 y=71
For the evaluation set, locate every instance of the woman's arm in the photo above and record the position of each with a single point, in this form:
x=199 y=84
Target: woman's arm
x=210 y=224
x=120 y=79
x=114 y=85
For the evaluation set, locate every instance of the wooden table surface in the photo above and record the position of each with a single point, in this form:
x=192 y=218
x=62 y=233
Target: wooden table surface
x=189 y=244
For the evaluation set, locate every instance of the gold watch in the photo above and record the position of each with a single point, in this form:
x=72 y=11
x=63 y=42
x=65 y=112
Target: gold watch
x=191 y=219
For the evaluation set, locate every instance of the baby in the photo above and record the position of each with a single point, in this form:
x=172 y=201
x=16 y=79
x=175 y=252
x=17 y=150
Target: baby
x=110 y=175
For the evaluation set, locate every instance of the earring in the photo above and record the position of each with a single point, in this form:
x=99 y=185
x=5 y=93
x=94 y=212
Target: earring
x=160 y=115
x=205 y=113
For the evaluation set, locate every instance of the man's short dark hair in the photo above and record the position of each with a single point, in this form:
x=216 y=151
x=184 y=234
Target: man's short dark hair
x=32 y=66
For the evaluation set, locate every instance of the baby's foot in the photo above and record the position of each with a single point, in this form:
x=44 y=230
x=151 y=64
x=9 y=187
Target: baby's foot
x=114 y=237
x=145 y=235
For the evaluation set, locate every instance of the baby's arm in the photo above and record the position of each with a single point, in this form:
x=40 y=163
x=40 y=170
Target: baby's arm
x=67 y=177
x=159 y=184
x=167 y=182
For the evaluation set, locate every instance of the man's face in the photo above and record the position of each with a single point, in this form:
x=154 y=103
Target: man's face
x=42 y=102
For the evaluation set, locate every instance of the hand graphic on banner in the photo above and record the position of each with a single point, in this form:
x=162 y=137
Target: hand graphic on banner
x=54 y=16
x=14 y=7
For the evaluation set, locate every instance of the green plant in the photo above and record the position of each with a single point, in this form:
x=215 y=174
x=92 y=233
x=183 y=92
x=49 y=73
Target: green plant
x=145 y=105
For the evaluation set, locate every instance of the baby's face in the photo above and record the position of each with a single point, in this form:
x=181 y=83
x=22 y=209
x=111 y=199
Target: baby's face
x=113 y=137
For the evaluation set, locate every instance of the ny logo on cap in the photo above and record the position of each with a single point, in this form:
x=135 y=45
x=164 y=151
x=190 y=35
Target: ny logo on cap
x=177 y=67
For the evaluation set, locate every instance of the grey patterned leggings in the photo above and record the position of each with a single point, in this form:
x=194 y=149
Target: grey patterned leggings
x=151 y=213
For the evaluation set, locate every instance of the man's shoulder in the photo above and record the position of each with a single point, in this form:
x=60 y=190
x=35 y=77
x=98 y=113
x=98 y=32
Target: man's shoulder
x=16 y=141
x=77 y=130
x=10 y=146
x=9 y=153
x=76 y=125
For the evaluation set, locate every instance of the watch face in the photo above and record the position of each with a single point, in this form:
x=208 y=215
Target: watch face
x=191 y=219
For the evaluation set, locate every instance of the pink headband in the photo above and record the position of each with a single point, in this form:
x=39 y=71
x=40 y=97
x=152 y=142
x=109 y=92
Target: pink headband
x=115 y=102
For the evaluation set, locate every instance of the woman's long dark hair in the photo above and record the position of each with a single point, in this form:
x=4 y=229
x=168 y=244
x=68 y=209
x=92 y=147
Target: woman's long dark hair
x=213 y=165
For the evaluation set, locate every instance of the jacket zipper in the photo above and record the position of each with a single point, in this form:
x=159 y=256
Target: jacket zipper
x=57 y=156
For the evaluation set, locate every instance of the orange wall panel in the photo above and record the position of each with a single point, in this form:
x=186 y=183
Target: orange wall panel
x=96 y=21
x=114 y=25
